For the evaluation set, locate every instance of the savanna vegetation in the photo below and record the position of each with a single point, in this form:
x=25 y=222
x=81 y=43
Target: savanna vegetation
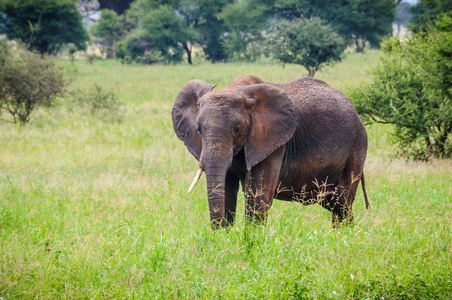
x=44 y=26
x=93 y=204
x=165 y=32
x=93 y=191
x=412 y=89
x=28 y=81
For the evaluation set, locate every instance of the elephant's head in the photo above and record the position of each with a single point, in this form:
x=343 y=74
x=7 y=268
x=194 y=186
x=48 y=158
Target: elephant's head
x=216 y=126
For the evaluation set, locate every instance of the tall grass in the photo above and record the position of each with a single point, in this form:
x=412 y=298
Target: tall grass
x=95 y=207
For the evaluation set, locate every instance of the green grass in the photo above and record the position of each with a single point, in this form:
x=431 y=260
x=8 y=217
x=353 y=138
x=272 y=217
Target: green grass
x=96 y=207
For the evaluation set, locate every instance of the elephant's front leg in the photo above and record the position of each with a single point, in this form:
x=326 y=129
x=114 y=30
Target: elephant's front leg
x=260 y=186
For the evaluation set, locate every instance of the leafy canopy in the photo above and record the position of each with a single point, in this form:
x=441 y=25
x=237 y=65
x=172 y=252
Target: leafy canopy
x=44 y=25
x=245 y=22
x=359 y=21
x=157 y=30
x=307 y=42
x=172 y=27
x=109 y=29
x=425 y=11
x=158 y=33
x=412 y=89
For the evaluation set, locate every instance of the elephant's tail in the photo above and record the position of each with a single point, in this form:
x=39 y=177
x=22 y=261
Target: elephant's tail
x=363 y=184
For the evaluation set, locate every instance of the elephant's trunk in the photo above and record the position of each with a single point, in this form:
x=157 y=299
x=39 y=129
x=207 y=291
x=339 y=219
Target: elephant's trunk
x=215 y=194
x=216 y=166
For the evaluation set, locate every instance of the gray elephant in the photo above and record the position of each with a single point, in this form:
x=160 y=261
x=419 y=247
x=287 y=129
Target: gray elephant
x=302 y=141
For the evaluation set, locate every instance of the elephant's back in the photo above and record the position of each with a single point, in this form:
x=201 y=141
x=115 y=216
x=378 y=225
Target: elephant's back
x=314 y=94
x=318 y=106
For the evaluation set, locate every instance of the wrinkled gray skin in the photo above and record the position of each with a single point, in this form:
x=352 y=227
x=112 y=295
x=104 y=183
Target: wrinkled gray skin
x=301 y=141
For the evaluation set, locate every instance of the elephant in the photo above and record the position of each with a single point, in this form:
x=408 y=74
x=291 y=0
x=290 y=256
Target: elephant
x=301 y=141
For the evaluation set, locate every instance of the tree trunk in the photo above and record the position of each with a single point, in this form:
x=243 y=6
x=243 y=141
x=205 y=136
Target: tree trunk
x=188 y=51
x=311 y=72
x=441 y=144
x=429 y=146
x=360 y=44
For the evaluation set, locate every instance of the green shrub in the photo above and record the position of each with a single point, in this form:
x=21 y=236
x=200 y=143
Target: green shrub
x=412 y=89
x=139 y=48
x=72 y=50
x=27 y=81
x=120 y=51
x=96 y=99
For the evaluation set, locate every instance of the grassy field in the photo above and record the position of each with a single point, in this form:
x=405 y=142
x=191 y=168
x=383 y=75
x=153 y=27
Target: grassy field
x=95 y=206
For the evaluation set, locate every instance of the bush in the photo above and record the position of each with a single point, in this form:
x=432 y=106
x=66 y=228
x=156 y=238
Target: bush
x=72 y=50
x=137 y=47
x=121 y=51
x=27 y=81
x=96 y=98
x=98 y=101
x=412 y=89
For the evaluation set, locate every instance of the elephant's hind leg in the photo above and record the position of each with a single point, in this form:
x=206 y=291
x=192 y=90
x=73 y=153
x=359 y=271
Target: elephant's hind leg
x=344 y=196
x=337 y=204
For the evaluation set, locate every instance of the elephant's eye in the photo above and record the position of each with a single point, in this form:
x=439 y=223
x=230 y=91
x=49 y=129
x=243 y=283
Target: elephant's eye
x=198 y=130
x=237 y=129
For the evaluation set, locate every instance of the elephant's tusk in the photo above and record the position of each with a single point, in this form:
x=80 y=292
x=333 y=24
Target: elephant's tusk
x=195 y=181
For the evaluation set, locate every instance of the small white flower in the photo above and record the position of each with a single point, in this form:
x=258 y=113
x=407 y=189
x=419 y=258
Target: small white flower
x=352 y=276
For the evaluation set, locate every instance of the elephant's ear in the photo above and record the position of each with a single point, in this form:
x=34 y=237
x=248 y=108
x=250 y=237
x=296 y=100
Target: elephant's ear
x=273 y=121
x=185 y=112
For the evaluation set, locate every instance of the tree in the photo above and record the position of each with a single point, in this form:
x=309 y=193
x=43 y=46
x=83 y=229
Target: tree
x=27 y=81
x=307 y=42
x=357 y=21
x=403 y=15
x=426 y=11
x=156 y=29
x=44 y=25
x=412 y=89
x=139 y=48
x=177 y=25
x=89 y=8
x=367 y=21
x=245 y=23
x=118 y=6
x=207 y=29
x=109 y=29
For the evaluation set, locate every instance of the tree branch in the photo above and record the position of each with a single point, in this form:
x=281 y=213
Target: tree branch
x=377 y=121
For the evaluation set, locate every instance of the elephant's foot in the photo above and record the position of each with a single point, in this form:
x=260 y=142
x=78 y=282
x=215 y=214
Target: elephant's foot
x=342 y=217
